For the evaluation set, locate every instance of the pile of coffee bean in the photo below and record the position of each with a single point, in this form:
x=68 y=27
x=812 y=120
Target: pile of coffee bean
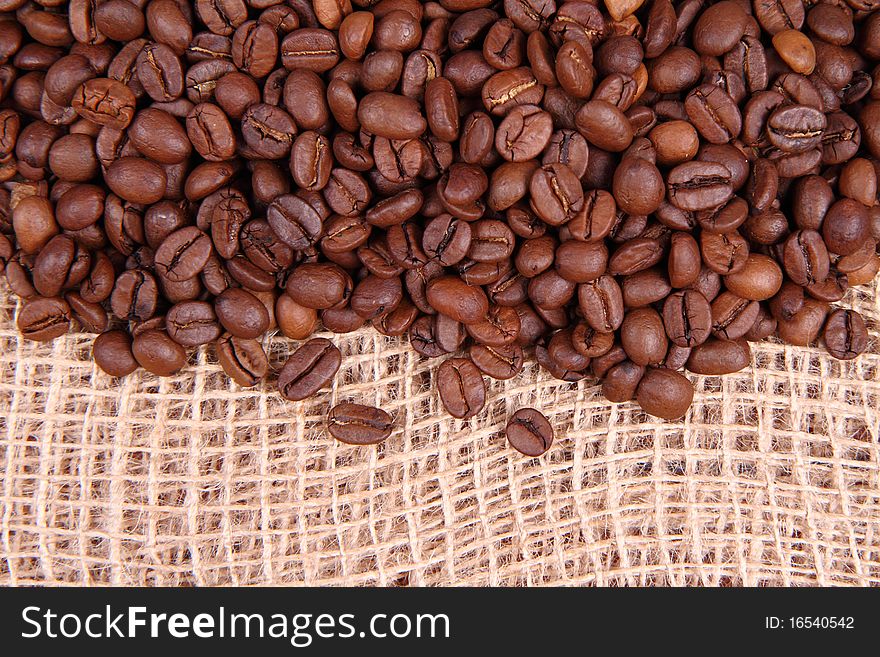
x=620 y=188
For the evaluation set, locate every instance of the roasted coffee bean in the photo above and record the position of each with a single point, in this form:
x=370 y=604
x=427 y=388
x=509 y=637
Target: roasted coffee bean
x=192 y=323
x=732 y=316
x=112 y=353
x=104 y=101
x=664 y=393
x=451 y=296
x=524 y=133
x=715 y=357
x=243 y=360
x=501 y=362
x=845 y=334
x=601 y=303
x=183 y=254
x=157 y=353
x=805 y=257
x=529 y=432
x=461 y=387
x=556 y=193
x=44 y=318
x=241 y=313
x=699 y=185
x=713 y=113
x=309 y=368
x=135 y=295
x=687 y=317
x=724 y=253
x=758 y=280
x=319 y=285
x=356 y=424
x=803 y=328
x=621 y=381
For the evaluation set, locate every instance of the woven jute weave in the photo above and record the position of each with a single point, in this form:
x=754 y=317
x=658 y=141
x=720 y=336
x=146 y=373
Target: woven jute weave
x=772 y=479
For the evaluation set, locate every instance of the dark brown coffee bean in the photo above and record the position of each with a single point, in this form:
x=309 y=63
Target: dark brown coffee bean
x=157 y=353
x=455 y=298
x=713 y=113
x=604 y=125
x=715 y=357
x=104 y=101
x=448 y=239
x=664 y=393
x=724 y=253
x=356 y=424
x=732 y=316
x=243 y=360
x=296 y=223
x=44 y=318
x=805 y=257
x=845 y=227
x=796 y=128
x=507 y=89
x=423 y=339
x=161 y=74
x=319 y=285
x=183 y=254
x=192 y=323
x=758 y=280
x=241 y=313
x=803 y=328
x=529 y=432
x=556 y=193
x=687 y=317
x=391 y=116
x=500 y=362
x=461 y=386
x=643 y=336
x=137 y=180
x=135 y=295
x=601 y=303
x=268 y=131
x=845 y=334
x=699 y=185
x=309 y=48
x=112 y=353
x=621 y=381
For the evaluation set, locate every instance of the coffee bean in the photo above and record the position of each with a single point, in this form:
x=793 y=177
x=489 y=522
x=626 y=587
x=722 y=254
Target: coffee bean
x=643 y=336
x=135 y=295
x=157 y=353
x=309 y=368
x=241 y=313
x=112 y=353
x=44 y=318
x=845 y=334
x=461 y=386
x=356 y=424
x=805 y=257
x=687 y=317
x=715 y=357
x=192 y=323
x=529 y=432
x=462 y=302
x=243 y=360
x=664 y=393
x=732 y=316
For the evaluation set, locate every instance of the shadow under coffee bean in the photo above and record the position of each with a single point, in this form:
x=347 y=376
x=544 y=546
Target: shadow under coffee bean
x=617 y=193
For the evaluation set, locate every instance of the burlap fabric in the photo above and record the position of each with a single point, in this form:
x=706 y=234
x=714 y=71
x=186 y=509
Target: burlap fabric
x=772 y=479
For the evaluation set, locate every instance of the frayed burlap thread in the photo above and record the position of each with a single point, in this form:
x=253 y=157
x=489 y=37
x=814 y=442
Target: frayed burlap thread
x=773 y=478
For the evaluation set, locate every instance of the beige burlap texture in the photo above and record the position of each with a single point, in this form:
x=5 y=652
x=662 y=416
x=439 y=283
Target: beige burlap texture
x=773 y=478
